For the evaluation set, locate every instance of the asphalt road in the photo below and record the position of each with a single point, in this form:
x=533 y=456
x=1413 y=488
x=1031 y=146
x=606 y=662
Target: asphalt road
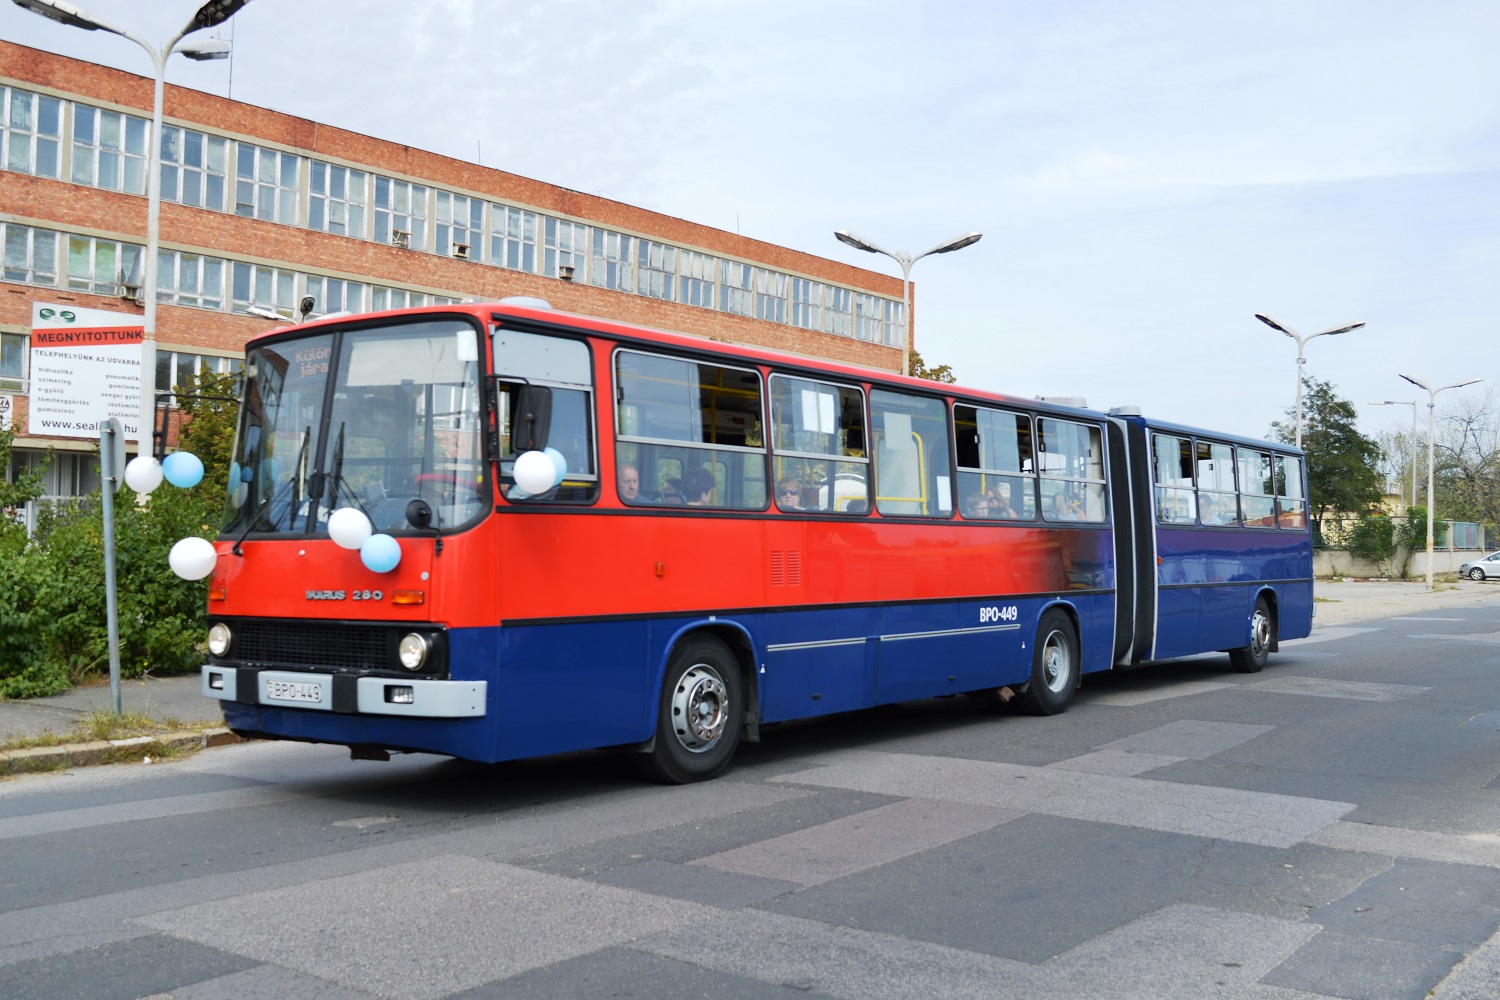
x=1329 y=827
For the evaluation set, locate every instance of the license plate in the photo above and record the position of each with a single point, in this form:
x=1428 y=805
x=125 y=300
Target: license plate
x=299 y=691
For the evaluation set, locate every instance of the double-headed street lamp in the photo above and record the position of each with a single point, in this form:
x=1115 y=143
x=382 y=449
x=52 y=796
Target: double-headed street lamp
x=213 y=13
x=1301 y=344
x=1431 y=427
x=1413 y=404
x=906 y=260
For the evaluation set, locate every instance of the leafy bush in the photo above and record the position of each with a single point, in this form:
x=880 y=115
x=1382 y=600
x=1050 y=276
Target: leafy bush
x=52 y=595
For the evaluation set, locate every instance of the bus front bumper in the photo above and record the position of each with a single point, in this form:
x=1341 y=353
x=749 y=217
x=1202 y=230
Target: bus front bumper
x=411 y=697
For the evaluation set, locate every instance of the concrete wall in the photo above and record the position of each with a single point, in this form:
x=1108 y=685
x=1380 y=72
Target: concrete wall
x=1337 y=562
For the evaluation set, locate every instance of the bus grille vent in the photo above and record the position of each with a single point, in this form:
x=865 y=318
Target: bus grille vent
x=317 y=644
x=786 y=568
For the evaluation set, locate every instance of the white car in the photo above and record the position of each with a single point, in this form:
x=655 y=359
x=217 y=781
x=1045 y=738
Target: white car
x=1482 y=567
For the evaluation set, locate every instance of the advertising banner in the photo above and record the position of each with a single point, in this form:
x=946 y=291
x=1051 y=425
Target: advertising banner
x=85 y=367
x=7 y=409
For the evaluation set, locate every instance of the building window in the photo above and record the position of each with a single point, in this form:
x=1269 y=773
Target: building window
x=869 y=318
x=109 y=149
x=513 y=238
x=190 y=279
x=382 y=298
x=177 y=368
x=13 y=361
x=194 y=168
x=697 y=278
x=331 y=295
x=565 y=244
x=30 y=255
x=770 y=295
x=806 y=303
x=266 y=184
x=610 y=266
x=336 y=200
x=264 y=287
x=460 y=223
x=400 y=207
x=100 y=266
x=739 y=289
x=655 y=269
x=895 y=323
x=838 y=311
x=30 y=132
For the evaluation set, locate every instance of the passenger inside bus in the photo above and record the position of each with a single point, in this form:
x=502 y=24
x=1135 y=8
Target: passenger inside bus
x=976 y=505
x=788 y=493
x=698 y=488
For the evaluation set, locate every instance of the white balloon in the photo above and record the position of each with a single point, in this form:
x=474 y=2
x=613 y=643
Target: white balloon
x=193 y=558
x=348 y=527
x=143 y=474
x=535 y=472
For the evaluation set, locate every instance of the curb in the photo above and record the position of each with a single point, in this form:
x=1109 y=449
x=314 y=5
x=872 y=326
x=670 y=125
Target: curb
x=136 y=748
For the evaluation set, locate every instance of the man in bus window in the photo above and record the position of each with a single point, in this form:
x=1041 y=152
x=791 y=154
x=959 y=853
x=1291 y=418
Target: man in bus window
x=698 y=488
x=630 y=484
x=789 y=493
x=672 y=492
x=976 y=505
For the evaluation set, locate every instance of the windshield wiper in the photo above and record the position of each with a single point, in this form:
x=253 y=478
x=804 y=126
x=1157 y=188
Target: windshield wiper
x=289 y=484
x=337 y=479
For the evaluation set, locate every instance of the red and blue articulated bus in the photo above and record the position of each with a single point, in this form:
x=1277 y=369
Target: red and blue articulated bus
x=497 y=531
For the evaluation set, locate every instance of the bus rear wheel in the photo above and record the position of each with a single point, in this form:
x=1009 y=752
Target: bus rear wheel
x=699 y=715
x=1054 y=667
x=1251 y=658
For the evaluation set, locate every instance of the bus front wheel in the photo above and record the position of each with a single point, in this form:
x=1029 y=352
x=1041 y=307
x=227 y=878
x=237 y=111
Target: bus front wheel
x=699 y=715
x=1054 y=666
x=1251 y=658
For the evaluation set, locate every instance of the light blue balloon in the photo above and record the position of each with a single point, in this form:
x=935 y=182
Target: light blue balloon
x=183 y=469
x=559 y=460
x=234 y=474
x=380 y=553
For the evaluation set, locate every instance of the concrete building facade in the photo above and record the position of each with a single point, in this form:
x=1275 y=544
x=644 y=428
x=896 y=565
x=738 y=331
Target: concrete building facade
x=261 y=210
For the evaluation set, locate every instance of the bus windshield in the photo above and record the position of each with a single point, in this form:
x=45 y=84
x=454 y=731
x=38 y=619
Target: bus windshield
x=374 y=418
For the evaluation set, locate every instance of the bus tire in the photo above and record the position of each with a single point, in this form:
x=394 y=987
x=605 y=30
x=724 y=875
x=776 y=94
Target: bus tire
x=699 y=715
x=1054 y=666
x=1251 y=658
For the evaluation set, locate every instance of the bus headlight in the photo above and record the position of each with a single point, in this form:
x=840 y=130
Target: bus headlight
x=413 y=651
x=218 y=639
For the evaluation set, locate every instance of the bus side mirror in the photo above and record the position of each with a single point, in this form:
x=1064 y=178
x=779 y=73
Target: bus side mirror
x=533 y=418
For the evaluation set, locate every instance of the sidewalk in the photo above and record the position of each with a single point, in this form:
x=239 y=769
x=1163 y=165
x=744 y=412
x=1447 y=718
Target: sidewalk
x=1341 y=603
x=193 y=722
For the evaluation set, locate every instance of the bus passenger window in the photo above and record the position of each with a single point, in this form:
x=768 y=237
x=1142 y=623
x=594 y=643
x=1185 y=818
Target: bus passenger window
x=1217 y=503
x=1291 y=502
x=692 y=433
x=1071 y=456
x=1176 y=501
x=995 y=464
x=818 y=436
x=911 y=455
x=1257 y=502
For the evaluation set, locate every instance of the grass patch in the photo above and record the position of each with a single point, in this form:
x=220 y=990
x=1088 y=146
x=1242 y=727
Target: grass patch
x=108 y=726
x=1327 y=600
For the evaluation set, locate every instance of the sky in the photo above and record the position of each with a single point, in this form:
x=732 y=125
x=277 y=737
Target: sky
x=1147 y=175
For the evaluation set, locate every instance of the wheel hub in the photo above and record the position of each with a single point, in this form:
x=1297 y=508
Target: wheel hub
x=699 y=708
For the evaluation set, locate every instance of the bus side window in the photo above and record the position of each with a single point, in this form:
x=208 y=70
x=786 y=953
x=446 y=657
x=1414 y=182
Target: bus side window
x=1176 y=501
x=553 y=371
x=911 y=455
x=1072 y=471
x=818 y=438
x=691 y=430
x=1291 y=502
x=1257 y=502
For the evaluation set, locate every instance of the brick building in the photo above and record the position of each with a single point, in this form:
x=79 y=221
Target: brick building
x=261 y=210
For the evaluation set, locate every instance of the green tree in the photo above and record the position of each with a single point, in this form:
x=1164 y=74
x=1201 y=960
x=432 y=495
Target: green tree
x=917 y=368
x=1343 y=465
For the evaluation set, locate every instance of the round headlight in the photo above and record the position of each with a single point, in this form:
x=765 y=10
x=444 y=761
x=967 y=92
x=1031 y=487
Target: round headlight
x=413 y=651
x=218 y=639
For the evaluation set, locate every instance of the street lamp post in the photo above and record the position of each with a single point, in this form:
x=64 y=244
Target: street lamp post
x=1431 y=426
x=906 y=260
x=1413 y=404
x=210 y=14
x=1301 y=344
